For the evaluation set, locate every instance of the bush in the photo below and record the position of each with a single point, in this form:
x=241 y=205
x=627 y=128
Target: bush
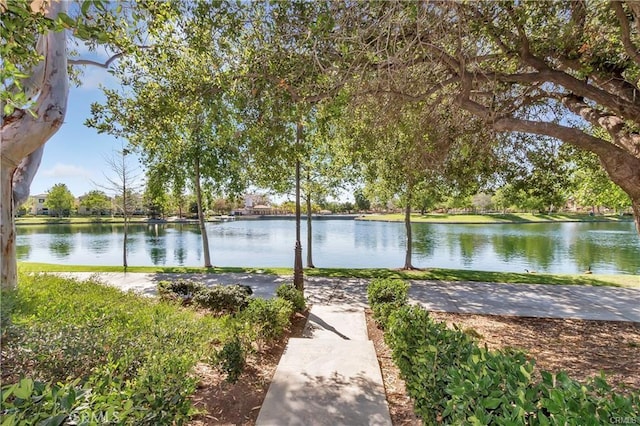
x=454 y=381
x=232 y=359
x=293 y=295
x=223 y=299
x=268 y=318
x=181 y=289
x=99 y=355
x=386 y=296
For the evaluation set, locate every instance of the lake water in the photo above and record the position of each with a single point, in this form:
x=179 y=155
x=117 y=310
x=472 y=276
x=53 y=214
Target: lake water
x=554 y=247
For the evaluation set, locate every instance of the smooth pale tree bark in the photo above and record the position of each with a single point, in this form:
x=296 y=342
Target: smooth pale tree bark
x=23 y=134
x=203 y=229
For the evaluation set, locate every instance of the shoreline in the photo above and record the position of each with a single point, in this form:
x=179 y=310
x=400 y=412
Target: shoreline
x=498 y=220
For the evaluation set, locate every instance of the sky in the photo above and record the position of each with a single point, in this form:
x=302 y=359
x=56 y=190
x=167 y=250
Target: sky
x=76 y=155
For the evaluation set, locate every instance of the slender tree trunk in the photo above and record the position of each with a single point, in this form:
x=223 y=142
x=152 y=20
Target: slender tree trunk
x=9 y=276
x=407 y=227
x=203 y=230
x=125 y=216
x=309 y=233
x=298 y=273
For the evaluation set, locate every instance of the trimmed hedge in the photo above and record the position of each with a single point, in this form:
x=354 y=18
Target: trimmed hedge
x=219 y=299
x=228 y=299
x=386 y=295
x=454 y=381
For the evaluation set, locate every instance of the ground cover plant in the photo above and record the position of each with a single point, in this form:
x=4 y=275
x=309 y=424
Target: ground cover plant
x=83 y=352
x=454 y=380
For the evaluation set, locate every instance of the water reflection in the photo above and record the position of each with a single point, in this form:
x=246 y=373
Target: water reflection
x=61 y=246
x=562 y=248
x=423 y=240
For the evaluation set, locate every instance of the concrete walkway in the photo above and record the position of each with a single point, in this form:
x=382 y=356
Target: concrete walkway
x=329 y=377
x=528 y=300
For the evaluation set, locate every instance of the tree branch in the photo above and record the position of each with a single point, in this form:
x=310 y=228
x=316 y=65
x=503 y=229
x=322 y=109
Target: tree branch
x=625 y=31
x=96 y=63
x=106 y=64
x=613 y=125
x=622 y=167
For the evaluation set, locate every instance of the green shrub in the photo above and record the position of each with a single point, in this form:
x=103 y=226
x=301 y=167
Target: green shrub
x=99 y=355
x=181 y=289
x=293 y=295
x=223 y=299
x=269 y=318
x=385 y=296
x=488 y=387
x=232 y=359
x=454 y=381
x=562 y=400
x=423 y=350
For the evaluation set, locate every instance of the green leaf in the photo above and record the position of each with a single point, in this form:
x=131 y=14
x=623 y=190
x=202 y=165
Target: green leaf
x=24 y=389
x=67 y=20
x=525 y=373
x=54 y=421
x=491 y=403
x=9 y=420
x=544 y=421
x=7 y=391
x=85 y=7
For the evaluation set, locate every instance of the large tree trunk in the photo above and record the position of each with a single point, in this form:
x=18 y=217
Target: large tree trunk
x=635 y=205
x=407 y=227
x=8 y=229
x=23 y=133
x=203 y=229
x=309 y=234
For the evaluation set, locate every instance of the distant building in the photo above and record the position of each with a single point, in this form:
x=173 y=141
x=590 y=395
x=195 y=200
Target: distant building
x=257 y=205
x=39 y=202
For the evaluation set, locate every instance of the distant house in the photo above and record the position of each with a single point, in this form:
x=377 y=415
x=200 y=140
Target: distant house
x=257 y=205
x=39 y=202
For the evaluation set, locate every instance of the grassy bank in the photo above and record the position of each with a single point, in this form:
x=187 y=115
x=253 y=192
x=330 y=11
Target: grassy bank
x=497 y=218
x=46 y=220
x=79 y=352
x=632 y=281
x=84 y=351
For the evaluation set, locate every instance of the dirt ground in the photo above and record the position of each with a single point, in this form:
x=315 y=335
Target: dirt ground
x=239 y=404
x=582 y=348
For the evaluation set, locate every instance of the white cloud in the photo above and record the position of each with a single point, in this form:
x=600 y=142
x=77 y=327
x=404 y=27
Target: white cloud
x=66 y=171
x=94 y=77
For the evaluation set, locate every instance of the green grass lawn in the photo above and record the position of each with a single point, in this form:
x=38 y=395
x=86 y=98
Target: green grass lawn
x=496 y=218
x=36 y=220
x=619 y=280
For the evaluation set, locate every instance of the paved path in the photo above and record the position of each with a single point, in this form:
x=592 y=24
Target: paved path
x=529 y=300
x=329 y=377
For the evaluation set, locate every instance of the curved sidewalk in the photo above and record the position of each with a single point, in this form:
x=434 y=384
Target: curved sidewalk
x=527 y=300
